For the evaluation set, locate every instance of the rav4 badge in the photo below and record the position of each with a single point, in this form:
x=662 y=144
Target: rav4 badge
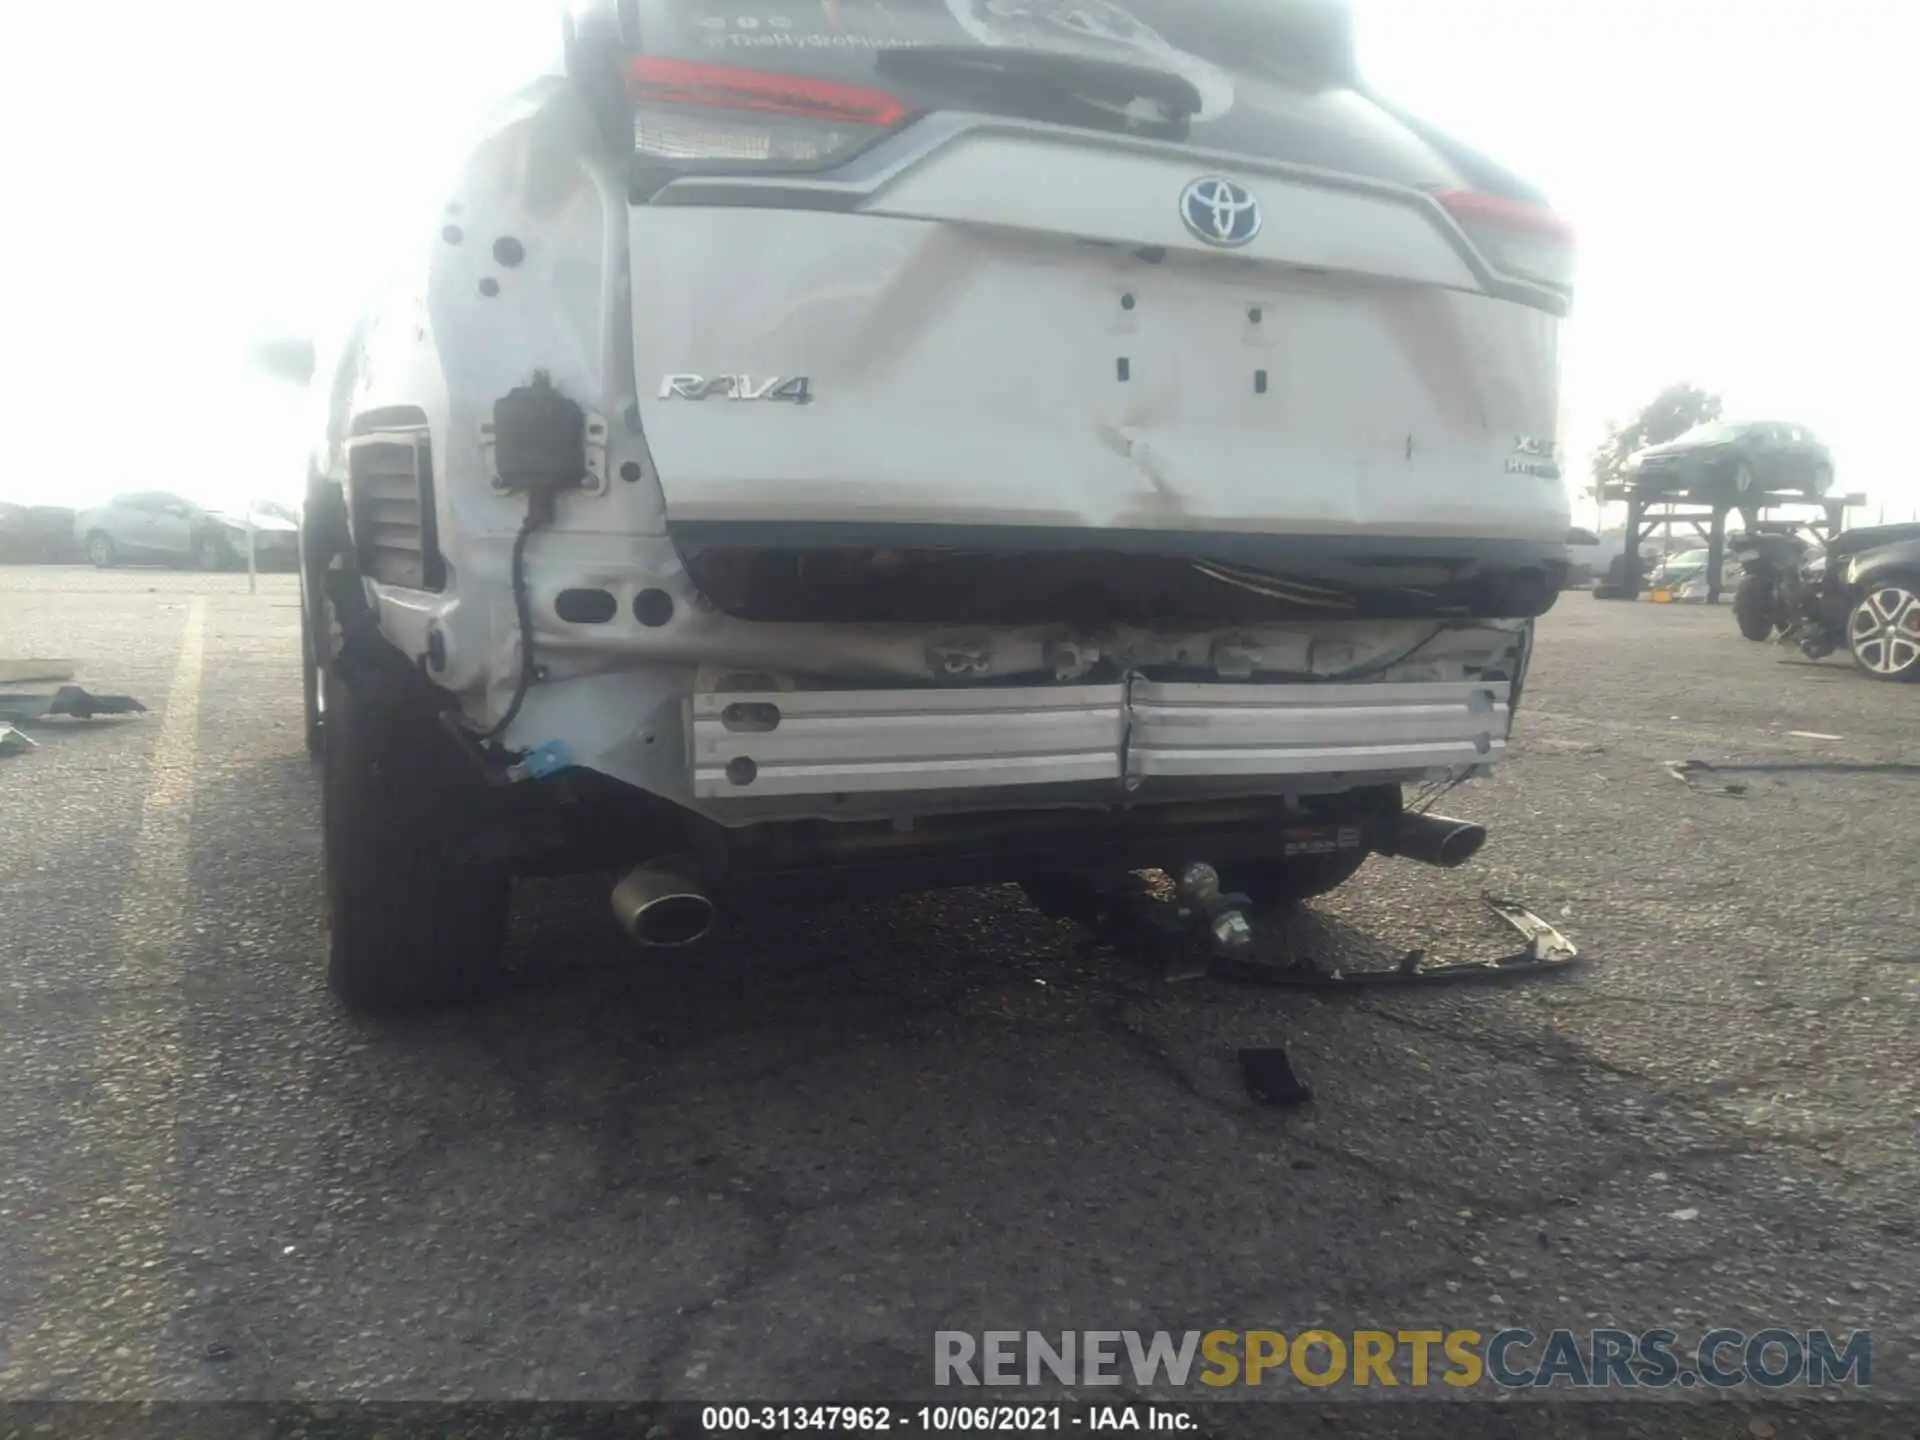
x=795 y=389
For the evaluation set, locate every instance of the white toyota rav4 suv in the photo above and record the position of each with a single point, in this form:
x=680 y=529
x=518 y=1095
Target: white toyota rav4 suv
x=832 y=443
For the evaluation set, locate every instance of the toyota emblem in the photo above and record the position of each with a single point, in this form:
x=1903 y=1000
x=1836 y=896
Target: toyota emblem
x=1220 y=212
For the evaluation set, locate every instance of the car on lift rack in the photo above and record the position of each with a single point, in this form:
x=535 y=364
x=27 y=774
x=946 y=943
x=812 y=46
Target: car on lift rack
x=1728 y=461
x=934 y=444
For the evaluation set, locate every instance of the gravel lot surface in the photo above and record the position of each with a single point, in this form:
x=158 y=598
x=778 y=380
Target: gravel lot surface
x=774 y=1168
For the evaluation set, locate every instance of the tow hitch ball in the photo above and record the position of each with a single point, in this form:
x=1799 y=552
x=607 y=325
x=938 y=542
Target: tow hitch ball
x=1222 y=918
x=1225 y=920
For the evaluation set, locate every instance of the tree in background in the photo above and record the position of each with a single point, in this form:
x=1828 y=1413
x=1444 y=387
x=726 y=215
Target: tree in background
x=1670 y=414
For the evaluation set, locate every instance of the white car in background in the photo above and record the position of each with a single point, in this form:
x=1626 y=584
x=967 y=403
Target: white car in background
x=1684 y=573
x=950 y=442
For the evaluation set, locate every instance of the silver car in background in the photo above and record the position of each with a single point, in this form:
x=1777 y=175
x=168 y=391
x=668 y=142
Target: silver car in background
x=158 y=527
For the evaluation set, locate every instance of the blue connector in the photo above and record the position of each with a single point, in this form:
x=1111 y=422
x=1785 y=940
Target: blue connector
x=543 y=760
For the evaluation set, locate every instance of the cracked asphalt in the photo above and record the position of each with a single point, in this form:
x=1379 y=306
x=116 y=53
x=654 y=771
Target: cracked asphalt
x=773 y=1169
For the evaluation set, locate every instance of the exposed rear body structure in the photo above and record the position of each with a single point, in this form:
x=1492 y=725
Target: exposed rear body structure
x=973 y=440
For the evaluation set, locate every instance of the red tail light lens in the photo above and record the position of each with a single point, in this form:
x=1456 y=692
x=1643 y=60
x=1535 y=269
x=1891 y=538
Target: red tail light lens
x=1520 y=238
x=691 y=112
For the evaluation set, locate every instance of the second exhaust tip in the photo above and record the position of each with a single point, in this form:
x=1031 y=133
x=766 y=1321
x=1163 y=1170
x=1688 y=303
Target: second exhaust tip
x=1435 y=840
x=660 y=907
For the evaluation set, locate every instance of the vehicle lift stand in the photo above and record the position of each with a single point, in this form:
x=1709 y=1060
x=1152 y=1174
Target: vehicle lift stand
x=1709 y=519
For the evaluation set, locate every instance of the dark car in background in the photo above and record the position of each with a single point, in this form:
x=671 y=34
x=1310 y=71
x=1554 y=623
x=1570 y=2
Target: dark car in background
x=1729 y=461
x=159 y=527
x=36 y=534
x=1859 y=591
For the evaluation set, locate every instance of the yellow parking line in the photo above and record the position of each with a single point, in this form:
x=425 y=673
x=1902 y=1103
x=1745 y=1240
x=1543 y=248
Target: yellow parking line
x=105 y=1267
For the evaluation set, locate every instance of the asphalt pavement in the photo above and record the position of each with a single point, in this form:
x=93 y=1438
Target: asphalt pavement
x=775 y=1167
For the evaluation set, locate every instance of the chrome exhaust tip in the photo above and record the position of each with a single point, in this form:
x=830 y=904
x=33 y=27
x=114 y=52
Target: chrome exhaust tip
x=660 y=907
x=1435 y=840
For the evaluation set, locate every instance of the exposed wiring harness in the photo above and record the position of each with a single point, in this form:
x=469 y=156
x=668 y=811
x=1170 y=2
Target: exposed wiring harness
x=1435 y=791
x=539 y=447
x=1299 y=592
x=1294 y=590
x=1368 y=669
x=1432 y=793
x=539 y=513
x=1375 y=667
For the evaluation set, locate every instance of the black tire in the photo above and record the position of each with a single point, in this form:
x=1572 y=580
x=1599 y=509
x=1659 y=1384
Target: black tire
x=320 y=538
x=410 y=923
x=102 y=551
x=310 y=683
x=1282 y=884
x=1753 y=607
x=1821 y=482
x=316 y=651
x=1061 y=895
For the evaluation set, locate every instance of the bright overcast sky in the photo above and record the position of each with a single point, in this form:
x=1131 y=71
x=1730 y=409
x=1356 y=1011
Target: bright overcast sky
x=191 y=173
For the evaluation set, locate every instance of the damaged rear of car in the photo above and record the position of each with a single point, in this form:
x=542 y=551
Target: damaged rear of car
x=955 y=442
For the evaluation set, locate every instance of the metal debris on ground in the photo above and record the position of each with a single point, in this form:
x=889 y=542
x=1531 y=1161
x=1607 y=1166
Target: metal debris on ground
x=1546 y=950
x=1181 y=940
x=14 y=742
x=1685 y=772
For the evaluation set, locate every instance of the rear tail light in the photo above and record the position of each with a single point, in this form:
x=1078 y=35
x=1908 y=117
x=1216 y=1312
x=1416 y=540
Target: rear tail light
x=716 y=113
x=1519 y=238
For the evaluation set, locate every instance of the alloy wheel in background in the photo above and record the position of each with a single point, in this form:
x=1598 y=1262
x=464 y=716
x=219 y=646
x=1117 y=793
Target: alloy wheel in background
x=1884 y=631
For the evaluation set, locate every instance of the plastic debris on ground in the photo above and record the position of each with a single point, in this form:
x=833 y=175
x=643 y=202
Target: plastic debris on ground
x=32 y=690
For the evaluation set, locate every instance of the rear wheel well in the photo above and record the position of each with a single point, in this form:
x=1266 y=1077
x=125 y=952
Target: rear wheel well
x=1903 y=575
